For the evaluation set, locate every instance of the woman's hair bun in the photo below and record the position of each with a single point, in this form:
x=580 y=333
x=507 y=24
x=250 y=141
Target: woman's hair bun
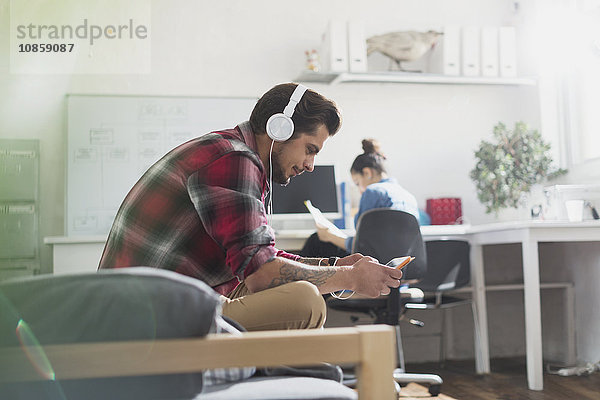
x=372 y=146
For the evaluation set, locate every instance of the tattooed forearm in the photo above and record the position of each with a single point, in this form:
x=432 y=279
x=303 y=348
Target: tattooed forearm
x=290 y=273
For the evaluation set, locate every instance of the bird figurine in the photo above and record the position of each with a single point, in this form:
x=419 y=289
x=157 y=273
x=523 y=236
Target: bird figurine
x=404 y=45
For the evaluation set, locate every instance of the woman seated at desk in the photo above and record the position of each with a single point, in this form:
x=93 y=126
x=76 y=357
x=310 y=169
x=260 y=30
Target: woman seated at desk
x=377 y=191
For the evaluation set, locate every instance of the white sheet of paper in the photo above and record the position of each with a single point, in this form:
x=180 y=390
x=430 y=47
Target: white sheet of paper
x=321 y=221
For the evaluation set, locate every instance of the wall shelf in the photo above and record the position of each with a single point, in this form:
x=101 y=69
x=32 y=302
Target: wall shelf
x=410 y=77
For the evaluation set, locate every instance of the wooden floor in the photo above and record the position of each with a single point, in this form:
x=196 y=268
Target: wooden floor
x=508 y=381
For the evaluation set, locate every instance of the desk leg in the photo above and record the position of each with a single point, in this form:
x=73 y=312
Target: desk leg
x=482 y=350
x=570 y=323
x=533 y=319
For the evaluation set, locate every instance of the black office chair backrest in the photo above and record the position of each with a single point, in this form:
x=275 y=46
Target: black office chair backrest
x=448 y=265
x=385 y=233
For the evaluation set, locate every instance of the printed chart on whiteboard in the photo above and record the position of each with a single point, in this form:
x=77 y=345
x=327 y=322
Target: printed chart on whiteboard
x=112 y=140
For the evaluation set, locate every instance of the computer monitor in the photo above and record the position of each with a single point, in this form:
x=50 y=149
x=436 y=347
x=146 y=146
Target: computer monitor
x=318 y=186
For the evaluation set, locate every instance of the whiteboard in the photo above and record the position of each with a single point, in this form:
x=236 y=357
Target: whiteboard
x=112 y=140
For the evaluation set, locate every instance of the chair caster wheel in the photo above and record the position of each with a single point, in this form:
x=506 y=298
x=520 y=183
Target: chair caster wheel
x=435 y=390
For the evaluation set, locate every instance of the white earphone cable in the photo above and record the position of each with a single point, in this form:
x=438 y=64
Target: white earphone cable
x=339 y=294
x=270 y=206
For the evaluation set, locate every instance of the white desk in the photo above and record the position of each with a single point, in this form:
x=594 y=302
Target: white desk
x=529 y=234
x=294 y=239
x=75 y=253
x=83 y=254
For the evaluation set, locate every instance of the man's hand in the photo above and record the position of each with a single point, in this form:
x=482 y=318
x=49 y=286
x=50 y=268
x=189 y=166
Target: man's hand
x=372 y=279
x=352 y=259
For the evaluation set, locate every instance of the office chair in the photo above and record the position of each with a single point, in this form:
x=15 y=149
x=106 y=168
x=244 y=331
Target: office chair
x=385 y=234
x=448 y=268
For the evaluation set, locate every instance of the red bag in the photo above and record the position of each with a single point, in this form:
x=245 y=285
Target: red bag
x=445 y=211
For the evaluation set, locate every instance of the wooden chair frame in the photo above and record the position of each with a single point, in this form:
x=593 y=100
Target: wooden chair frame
x=370 y=347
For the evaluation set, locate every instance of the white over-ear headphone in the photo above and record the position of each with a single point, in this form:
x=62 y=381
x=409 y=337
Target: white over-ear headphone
x=280 y=126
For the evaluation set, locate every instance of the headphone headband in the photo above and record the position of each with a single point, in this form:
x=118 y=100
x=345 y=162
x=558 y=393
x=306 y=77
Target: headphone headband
x=294 y=100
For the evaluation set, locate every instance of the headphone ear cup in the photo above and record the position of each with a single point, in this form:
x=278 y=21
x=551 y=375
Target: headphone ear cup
x=280 y=127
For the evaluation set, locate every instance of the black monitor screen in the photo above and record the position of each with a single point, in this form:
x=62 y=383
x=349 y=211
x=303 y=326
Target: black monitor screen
x=317 y=186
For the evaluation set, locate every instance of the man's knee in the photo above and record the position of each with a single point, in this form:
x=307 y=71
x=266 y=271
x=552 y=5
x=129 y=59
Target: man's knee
x=310 y=303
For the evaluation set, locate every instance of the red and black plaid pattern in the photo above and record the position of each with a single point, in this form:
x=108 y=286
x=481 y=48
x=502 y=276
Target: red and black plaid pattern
x=198 y=211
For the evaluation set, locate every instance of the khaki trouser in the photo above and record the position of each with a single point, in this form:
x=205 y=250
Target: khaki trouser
x=295 y=305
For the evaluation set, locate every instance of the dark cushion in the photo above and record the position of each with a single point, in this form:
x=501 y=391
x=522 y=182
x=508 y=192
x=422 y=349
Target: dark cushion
x=111 y=305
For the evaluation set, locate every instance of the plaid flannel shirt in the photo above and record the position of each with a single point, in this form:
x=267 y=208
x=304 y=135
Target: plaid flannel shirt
x=198 y=211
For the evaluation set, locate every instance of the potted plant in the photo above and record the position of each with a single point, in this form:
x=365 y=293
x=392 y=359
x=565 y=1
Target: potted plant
x=510 y=165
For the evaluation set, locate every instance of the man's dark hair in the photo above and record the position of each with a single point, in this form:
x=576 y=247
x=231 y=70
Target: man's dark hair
x=312 y=111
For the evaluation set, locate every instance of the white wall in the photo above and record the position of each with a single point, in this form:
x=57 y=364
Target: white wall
x=242 y=48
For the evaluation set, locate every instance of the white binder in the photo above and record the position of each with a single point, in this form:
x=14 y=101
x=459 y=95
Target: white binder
x=489 y=51
x=470 y=51
x=357 y=47
x=334 y=50
x=445 y=57
x=508 y=51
